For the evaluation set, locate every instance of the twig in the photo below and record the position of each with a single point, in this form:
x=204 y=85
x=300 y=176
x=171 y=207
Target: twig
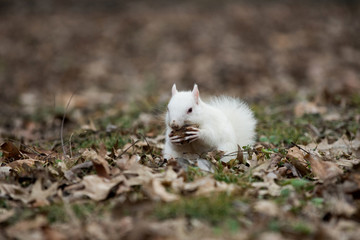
x=143 y=136
x=129 y=147
x=62 y=125
x=70 y=144
x=294 y=144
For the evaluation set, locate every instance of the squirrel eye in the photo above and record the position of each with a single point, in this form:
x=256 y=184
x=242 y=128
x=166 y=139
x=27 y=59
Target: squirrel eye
x=190 y=110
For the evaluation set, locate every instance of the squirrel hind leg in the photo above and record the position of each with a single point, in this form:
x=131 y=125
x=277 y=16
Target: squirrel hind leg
x=169 y=152
x=230 y=151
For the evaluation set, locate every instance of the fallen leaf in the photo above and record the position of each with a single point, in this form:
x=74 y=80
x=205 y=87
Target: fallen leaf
x=270 y=236
x=21 y=162
x=339 y=206
x=338 y=148
x=14 y=191
x=207 y=185
x=4 y=172
x=156 y=191
x=268 y=186
x=296 y=156
x=71 y=174
x=39 y=197
x=240 y=155
x=6 y=214
x=324 y=170
x=303 y=108
x=10 y=151
x=51 y=233
x=267 y=207
x=96 y=187
x=100 y=164
x=27 y=229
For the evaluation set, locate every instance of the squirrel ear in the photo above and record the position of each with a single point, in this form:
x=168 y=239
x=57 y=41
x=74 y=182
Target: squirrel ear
x=195 y=92
x=174 y=90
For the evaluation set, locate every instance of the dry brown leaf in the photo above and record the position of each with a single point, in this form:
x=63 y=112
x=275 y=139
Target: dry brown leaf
x=156 y=191
x=207 y=185
x=351 y=182
x=15 y=192
x=100 y=164
x=4 y=172
x=170 y=176
x=324 y=170
x=39 y=197
x=240 y=155
x=270 y=236
x=268 y=186
x=125 y=162
x=51 y=233
x=339 y=205
x=349 y=163
x=27 y=229
x=267 y=207
x=338 y=148
x=96 y=231
x=71 y=174
x=296 y=156
x=6 y=214
x=95 y=187
x=215 y=155
x=21 y=162
x=302 y=108
x=138 y=174
x=10 y=151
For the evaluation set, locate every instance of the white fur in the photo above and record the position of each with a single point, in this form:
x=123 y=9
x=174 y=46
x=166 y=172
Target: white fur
x=224 y=123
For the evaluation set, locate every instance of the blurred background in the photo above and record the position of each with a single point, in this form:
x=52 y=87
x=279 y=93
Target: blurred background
x=111 y=52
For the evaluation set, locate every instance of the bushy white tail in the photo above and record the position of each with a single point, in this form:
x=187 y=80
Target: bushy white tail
x=239 y=115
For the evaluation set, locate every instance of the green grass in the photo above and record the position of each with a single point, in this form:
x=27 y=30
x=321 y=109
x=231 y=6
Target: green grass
x=278 y=129
x=90 y=139
x=214 y=209
x=193 y=172
x=227 y=177
x=297 y=227
x=279 y=126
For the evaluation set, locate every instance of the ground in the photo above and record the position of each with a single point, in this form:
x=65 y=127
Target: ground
x=84 y=89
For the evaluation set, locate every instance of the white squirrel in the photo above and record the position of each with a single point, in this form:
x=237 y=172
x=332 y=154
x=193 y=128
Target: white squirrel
x=224 y=123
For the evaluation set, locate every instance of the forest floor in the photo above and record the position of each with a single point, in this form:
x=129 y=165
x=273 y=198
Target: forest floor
x=82 y=130
x=300 y=181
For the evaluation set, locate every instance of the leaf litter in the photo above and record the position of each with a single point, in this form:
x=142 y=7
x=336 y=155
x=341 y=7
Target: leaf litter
x=265 y=187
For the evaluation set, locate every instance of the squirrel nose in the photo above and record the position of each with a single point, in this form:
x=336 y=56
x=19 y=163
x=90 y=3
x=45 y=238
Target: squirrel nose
x=174 y=125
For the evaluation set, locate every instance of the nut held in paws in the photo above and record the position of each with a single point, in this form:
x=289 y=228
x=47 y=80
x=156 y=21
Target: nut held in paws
x=181 y=132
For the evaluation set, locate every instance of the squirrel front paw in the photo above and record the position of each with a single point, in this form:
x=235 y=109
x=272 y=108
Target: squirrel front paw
x=189 y=135
x=192 y=134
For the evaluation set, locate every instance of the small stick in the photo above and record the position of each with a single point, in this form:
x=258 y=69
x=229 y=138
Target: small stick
x=129 y=147
x=62 y=125
x=292 y=143
x=70 y=144
x=142 y=135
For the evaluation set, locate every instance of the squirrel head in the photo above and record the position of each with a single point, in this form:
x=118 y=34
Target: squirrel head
x=183 y=107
